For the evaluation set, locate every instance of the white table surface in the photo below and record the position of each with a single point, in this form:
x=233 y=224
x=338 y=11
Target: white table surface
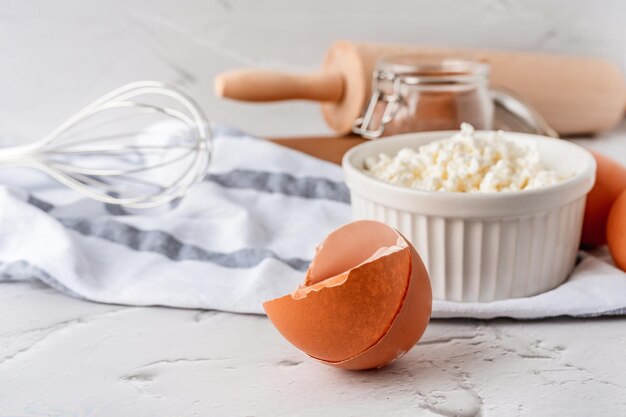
x=64 y=357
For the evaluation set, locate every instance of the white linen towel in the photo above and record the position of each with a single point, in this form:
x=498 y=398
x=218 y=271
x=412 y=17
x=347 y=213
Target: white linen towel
x=244 y=235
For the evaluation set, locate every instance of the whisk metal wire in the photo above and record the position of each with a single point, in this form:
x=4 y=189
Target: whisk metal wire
x=56 y=153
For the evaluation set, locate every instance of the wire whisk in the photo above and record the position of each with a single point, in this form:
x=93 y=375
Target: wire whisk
x=140 y=146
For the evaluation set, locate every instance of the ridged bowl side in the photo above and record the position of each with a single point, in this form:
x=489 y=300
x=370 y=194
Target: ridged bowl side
x=480 y=260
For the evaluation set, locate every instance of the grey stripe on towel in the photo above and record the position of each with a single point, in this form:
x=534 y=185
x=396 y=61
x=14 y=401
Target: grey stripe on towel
x=167 y=245
x=40 y=204
x=281 y=183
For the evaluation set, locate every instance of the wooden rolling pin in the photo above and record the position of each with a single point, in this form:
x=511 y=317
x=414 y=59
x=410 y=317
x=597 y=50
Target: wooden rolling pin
x=576 y=95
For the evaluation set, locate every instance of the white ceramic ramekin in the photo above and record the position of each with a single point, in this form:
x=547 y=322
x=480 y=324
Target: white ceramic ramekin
x=482 y=246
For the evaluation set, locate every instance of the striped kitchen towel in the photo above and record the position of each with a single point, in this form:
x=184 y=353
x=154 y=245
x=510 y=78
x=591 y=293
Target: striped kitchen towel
x=244 y=235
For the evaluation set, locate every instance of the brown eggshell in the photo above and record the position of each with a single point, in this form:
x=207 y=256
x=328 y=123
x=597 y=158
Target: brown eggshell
x=610 y=182
x=616 y=231
x=365 y=302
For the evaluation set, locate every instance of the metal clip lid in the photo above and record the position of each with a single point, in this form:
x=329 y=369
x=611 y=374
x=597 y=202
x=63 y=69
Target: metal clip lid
x=362 y=125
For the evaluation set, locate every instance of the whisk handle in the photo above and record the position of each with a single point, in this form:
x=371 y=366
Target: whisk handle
x=17 y=153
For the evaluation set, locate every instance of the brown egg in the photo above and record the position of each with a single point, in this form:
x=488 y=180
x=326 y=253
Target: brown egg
x=610 y=182
x=616 y=231
x=365 y=302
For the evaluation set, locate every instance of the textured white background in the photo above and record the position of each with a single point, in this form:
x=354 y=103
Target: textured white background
x=57 y=56
x=62 y=357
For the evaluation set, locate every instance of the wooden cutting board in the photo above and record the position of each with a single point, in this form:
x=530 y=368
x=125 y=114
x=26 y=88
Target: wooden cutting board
x=328 y=148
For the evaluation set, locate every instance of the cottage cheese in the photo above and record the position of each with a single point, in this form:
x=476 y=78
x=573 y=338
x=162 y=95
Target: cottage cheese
x=466 y=162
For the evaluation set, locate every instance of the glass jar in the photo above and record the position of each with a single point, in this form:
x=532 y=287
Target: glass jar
x=417 y=93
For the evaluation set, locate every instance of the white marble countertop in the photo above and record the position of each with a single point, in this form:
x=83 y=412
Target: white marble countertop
x=64 y=357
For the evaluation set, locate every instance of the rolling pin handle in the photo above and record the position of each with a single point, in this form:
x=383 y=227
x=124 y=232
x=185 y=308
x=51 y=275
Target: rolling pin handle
x=262 y=85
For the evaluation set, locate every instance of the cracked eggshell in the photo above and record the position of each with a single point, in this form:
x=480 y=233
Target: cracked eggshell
x=366 y=299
